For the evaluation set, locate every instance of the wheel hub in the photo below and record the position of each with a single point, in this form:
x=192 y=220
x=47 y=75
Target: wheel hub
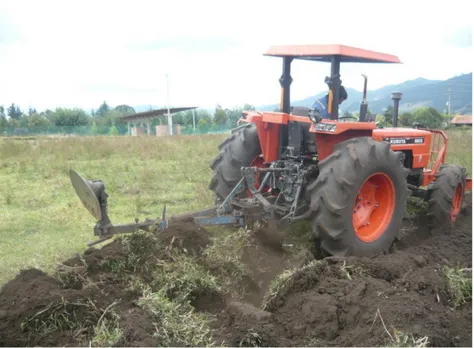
x=373 y=207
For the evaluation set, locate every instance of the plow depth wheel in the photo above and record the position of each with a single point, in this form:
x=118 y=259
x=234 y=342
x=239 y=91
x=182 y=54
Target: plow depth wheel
x=359 y=198
x=446 y=195
x=374 y=207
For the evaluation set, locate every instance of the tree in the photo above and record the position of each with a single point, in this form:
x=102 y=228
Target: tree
x=203 y=125
x=70 y=117
x=249 y=107
x=14 y=112
x=113 y=131
x=124 y=110
x=406 y=119
x=36 y=120
x=3 y=119
x=31 y=111
x=220 y=117
x=203 y=115
x=388 y=114
x=103 y=109
x=428 y=117
x=234 y=115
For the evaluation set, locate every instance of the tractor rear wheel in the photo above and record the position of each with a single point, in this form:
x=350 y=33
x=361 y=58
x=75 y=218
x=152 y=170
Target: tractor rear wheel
x=241 y=148
x=446 y=195
x=359 y=198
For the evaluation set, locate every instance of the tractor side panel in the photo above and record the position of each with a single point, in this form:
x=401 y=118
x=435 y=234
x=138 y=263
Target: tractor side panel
x=325 y=142
x=416 y=141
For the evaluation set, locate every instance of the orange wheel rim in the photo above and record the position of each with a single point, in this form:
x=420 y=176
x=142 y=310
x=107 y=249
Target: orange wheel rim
x=373 y=207
x=457 y=203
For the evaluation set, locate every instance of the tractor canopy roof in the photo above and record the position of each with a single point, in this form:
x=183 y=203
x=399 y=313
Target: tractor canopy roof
x=324 y=53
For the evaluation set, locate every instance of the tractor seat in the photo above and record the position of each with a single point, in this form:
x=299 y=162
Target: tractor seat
x=300 y=111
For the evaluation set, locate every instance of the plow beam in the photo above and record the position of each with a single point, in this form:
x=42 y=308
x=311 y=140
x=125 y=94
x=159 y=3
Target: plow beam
x=232 y=211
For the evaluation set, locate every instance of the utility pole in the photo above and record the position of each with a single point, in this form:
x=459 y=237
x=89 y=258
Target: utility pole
x=170 y=120
x=194 y=121
x=449 y=100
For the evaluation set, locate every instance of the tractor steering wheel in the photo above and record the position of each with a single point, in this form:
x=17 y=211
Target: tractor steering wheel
x=344 y=117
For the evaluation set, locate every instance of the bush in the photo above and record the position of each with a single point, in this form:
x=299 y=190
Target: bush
x=114 y=131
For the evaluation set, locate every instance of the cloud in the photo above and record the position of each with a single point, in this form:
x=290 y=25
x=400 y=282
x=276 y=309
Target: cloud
x=66 y=53
x=186 y=44
x=460 y=38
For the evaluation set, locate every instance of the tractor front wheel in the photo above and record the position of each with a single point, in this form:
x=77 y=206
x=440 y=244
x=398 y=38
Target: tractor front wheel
x=359 y=198
x=446 y=195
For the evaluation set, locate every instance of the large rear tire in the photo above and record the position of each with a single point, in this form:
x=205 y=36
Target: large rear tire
x=446 y=195
x=359 y=198
x=241 y=148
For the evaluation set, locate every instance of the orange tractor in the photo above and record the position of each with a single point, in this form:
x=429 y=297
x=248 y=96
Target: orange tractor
x=349 y=177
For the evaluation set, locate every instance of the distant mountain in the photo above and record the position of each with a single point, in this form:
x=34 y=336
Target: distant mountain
x=416 y=93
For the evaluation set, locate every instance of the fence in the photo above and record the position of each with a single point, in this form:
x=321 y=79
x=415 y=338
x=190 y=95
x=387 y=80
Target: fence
x=92 y=130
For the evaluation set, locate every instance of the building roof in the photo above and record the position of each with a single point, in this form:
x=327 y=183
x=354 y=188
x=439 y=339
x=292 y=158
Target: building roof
x=325 y=52
x=154 y=113
x=462 y=119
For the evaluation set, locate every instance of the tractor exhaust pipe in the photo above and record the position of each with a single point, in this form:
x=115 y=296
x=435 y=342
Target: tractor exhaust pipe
x=396 y=96
x=363 y=104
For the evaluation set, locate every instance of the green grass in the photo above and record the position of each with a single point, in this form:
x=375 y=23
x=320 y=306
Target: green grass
x=107 y=332
x=459 y=282
x=460 y=149
x=43 y=221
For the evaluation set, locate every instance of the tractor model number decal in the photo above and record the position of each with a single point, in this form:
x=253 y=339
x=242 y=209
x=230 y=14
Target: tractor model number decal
x=402 y=141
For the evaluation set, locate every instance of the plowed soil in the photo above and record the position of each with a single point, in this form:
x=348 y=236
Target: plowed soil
x=329 y=302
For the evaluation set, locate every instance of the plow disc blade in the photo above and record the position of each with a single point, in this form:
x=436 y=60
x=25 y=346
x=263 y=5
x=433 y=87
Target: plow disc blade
x=87 y=191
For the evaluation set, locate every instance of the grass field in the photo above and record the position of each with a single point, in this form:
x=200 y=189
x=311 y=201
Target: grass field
x=42 y=220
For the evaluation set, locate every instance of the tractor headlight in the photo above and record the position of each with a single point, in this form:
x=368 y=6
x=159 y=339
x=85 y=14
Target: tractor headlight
x=326 y=127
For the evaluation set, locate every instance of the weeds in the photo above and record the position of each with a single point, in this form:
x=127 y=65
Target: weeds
x=176 y=324
x=141 y=250
x=107 y=332
x=459 y=285
x=71 y=277
x=184 y=280
x=350 y=270
x=224 y=259
x=251 y=339
x=400 y=338
x=63 y=315
x=283 y=283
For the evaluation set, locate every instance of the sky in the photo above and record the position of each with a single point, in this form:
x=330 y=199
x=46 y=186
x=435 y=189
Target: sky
x=81 y=53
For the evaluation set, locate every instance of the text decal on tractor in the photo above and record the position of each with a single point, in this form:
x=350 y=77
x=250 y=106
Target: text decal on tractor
x=397 y=141
x=350 y=178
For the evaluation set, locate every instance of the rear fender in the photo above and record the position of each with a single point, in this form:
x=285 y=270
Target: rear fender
x=330 y=133
x=268 y=129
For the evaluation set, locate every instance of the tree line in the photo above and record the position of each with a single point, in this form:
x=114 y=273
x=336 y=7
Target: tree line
x=426 y=117
x=107 y=119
